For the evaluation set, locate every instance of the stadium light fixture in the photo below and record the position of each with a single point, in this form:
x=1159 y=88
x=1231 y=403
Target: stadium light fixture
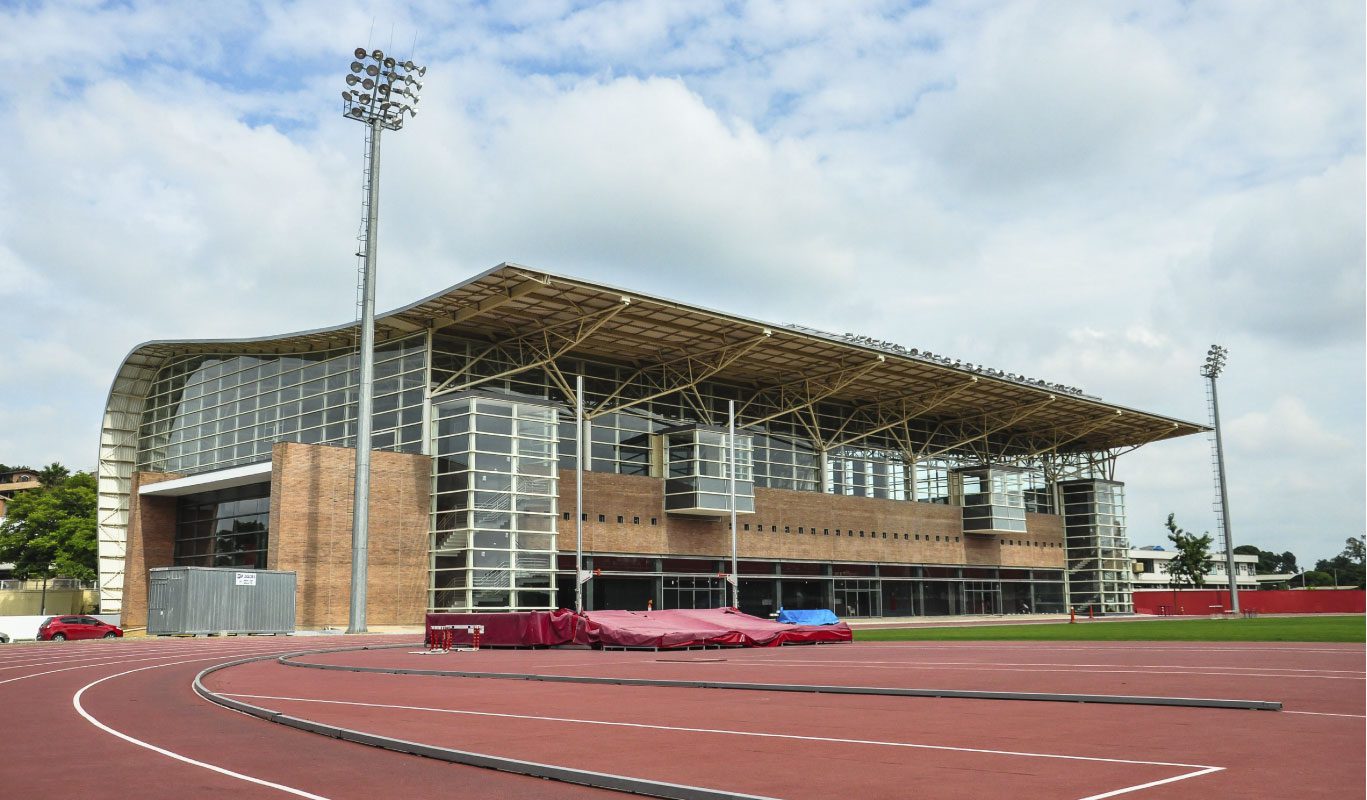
x=369 y=99
x=1216 y=357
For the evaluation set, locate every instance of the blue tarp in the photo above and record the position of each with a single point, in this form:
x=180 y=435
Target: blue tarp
x=817 y=616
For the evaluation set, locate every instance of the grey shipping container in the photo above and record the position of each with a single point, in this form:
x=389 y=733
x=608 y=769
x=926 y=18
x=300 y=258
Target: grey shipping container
x=219 y=600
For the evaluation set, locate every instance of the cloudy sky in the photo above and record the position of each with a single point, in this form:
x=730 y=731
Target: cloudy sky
x=1089 y=192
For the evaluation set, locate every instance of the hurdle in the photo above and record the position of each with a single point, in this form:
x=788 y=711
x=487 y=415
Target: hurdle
x=442 y=639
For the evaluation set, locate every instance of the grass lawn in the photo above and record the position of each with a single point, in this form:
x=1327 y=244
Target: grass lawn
x=1262 y=629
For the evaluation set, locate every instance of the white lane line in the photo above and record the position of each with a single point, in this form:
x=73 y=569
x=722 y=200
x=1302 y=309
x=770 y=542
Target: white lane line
x=1151 y=784
x=988 y=668
x=723 y=731
x=1325 y=714
x=76 y=703
x=218 y=653
x=1057 y=664
x=931 y=645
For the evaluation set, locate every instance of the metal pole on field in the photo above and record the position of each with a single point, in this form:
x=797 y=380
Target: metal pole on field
x=731 y=460
x=1215 y=362
x=378 y=86
x=579 y=494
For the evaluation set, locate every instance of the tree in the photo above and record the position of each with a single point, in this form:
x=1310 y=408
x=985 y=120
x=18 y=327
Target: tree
x=1192 y=563
x=51 y=530
x=1270 y=563
x=53 y=475
x=1346 y=568
x=1318 y=578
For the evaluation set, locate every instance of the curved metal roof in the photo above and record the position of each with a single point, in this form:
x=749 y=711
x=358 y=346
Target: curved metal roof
x=510 y=300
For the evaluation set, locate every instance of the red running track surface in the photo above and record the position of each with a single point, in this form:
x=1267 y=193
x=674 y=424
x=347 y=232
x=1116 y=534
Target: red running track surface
x=816 y=746
x=50 y=750
x=1262 y=754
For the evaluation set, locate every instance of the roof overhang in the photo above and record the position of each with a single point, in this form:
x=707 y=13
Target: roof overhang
x=511 y=301
x=210 y=481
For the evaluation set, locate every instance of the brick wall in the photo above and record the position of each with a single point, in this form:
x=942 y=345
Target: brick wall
x=151 y=543
x=798 y=525
x=311 y=502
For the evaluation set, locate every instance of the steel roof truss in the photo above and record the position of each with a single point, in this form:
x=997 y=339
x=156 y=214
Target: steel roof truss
x=677 y=374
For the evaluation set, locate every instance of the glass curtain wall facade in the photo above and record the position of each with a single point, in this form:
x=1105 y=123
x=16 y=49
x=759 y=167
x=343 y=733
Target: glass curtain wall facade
x=209 y=412
x=225 y=528
x=493 y=509
x=1099 y=571
x=993 y=498
x=851 y=590
x=699 y=476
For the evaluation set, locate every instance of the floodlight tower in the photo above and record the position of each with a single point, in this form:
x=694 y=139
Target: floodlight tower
x=380 y=91
x=1215 y=362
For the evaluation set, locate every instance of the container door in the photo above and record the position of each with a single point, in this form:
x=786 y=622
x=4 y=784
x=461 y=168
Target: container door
x=158 y=602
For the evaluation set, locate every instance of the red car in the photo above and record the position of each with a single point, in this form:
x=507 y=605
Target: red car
x=56 y=629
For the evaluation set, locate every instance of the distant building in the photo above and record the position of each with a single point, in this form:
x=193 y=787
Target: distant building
x=871 y=478
x=15 y=481
x=1151 y=570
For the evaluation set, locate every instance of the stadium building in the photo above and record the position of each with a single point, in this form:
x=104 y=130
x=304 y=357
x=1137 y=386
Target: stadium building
x=871 y=479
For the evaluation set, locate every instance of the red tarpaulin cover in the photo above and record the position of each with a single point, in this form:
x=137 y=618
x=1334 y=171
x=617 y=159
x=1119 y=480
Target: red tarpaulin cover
x=663 y=629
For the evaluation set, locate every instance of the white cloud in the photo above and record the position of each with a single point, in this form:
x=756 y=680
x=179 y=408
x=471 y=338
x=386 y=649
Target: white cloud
x=1090 y=194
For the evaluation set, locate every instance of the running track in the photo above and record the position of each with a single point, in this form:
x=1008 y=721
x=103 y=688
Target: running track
x=762 y=743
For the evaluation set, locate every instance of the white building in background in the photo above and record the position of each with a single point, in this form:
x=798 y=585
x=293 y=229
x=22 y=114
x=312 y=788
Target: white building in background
x=1151 y=570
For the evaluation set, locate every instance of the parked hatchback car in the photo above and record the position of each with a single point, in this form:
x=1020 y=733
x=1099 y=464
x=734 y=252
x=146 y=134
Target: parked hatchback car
x=58 y=628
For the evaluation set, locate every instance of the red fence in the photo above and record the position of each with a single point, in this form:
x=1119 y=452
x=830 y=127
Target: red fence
x=1191 y=602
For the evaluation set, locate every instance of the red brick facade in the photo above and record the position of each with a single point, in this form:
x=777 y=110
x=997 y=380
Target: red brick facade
x=626 y=515
x=310 y=535
x=151 y=540
x=311 y=496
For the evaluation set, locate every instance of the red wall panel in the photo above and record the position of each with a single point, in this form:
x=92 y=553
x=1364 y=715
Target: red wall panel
x=1193 y=602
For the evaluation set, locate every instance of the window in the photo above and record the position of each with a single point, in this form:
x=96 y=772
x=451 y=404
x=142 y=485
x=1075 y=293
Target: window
x=602 y=518
x=635 y=520
x=619 y=519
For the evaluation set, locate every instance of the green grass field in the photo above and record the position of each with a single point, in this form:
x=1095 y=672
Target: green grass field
x=1263 y=629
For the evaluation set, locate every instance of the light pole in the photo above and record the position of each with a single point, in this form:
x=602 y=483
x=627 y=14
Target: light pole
x=1215 y=363
x=380 y=91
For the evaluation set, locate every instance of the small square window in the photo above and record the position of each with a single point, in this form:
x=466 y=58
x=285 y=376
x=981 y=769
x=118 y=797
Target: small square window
x=584 y=517
x=773 y=529
x=635 y=520
x=787 y=529
x=918 y=537
x=825 y=531
x=799 y=529
x=937 y=537
x=619 y=519
x=602 y=518
x=747 y=526
x=654 y=521
x=885 y=534
x=956 y=538
x=861 y=534
x=566 y=515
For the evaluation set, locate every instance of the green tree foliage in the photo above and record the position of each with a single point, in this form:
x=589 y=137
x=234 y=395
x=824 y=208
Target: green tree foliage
x=1347 y=566
x=1270 y=563
x=51 y=531
x=53 y=474
x=1318 y=578
x=1193 y=562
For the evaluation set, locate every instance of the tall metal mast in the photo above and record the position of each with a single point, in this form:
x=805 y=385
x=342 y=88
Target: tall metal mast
x=381 y=90
x=1215 y=362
